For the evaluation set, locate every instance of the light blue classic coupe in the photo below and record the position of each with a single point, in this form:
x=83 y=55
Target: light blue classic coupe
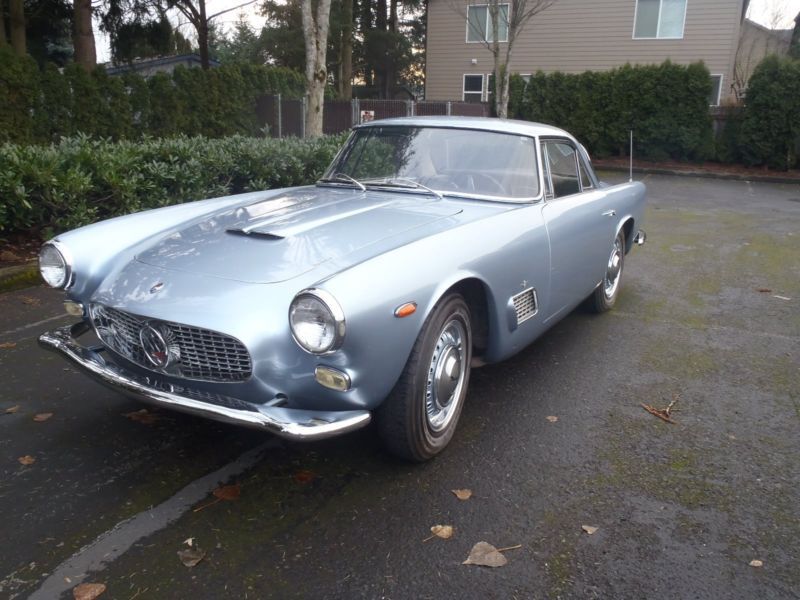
x=430 y=246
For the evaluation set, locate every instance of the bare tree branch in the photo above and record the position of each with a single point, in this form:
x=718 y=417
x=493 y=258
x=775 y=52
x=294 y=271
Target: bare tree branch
x=515 y=17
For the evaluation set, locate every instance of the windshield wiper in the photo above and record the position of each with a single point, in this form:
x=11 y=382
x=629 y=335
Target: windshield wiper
x=405 y=183
x=338 y=177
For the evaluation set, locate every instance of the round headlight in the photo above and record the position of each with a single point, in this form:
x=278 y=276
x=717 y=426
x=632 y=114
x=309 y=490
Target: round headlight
x=54 y=266
x=317 y=321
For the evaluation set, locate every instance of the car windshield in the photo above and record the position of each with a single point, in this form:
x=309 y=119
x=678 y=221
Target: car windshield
x=446 y=161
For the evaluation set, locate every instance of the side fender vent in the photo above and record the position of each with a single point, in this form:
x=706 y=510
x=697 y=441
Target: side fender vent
x=526 y=305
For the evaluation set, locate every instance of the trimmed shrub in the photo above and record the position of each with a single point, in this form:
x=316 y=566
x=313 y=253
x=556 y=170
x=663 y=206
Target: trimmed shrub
x=770 y=131
x=42 y=106
x=80 y=180
x=666 y=105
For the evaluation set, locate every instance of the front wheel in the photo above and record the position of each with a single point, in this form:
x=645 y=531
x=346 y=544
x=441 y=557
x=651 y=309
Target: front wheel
x=419 y=417
x=605 y=295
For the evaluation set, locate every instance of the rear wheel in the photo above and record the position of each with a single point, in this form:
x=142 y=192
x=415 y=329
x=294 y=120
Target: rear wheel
x=605 y=295
x=419 y=417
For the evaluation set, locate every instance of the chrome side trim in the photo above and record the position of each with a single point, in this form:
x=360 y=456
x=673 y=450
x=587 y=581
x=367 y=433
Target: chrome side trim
x=288 y=423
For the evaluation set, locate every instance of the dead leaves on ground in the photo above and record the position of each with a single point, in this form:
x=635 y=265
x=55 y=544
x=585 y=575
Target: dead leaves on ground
x=483 y=554
x=665 y=414
x=756 y=563
x=88 y=591
x=304 y=476
x=143 y=416
x=552 y=418
x=225 y=492
x=26 y=460
x=42 y=417
x=590 y=529
x=190 y=557
x=8 y=345
x=444 y=532
x=464 y=494
x=11 y=410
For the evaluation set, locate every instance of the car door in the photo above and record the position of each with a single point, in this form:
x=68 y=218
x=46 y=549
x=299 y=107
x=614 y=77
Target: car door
x=577 y=222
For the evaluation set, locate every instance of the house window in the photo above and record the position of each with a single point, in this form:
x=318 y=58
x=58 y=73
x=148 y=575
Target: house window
x=479 y=23
x=659 y=19
x=716 y=90
x=473 y=88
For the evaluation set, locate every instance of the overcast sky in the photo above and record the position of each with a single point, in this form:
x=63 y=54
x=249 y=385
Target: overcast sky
x=769 y=13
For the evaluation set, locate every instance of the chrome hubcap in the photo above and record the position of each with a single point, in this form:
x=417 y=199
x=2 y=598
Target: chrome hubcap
x=613 y=270
x=445 y=376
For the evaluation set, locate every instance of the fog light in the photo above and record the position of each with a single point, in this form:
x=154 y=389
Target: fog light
x=332 y=379
x=74 y=309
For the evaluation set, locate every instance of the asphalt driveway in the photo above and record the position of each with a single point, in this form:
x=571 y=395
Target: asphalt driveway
x=709 y=317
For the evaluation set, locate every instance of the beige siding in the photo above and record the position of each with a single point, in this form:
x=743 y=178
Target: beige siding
x=756 y=42
x=579 y=35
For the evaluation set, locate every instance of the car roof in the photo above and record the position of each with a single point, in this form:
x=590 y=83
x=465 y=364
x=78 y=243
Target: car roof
x=482 y=123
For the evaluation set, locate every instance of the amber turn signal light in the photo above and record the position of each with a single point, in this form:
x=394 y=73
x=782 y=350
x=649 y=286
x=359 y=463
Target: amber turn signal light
x=404 y=310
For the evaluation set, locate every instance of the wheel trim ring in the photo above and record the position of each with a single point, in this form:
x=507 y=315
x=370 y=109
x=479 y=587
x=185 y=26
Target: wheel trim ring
x=439 y=412
x=613 y=270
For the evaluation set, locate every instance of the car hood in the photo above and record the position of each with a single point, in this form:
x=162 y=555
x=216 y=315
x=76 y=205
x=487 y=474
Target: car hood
x=288 y=234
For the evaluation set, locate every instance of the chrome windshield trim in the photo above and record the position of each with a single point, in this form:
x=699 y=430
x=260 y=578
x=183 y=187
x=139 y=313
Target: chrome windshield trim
x=288 y=423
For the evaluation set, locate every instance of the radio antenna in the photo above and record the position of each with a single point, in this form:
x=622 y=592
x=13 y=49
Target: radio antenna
x=631 y=159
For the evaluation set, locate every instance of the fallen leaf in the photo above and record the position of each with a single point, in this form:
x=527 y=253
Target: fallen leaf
x=589 y=529
x=8 y=345
x=764 y=290
x=26 y=460
x=305 y=476
x=30 y=301
x=464 y=494
x=191 y=556
x=661 y=413
x=228 y=492
x=88 y=591
x=11 y=410
x=552 y=419
x=142 y=416
x=189 y=542
x=756 y=563
x=41 y=417
x=485 y=555
x=442 y=531
x=225 y=492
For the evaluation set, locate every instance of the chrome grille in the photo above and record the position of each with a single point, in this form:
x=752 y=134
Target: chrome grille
x=525 y=305
x=202 y=354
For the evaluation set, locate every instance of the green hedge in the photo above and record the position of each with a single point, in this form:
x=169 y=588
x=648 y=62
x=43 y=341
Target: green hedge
x=42 y=106
x=666 y=105
x=770 y=127
x=54 y=188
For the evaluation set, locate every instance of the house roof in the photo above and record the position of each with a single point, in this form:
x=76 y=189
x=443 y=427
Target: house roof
x=148 y=63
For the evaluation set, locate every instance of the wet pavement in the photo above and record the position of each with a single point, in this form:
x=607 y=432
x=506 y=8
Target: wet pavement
x=681 y=509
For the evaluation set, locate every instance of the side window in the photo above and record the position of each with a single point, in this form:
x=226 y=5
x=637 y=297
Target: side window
x=586 y=179
x=562 y=165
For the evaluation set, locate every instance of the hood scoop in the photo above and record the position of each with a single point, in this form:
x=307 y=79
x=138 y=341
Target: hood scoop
x=261 y=234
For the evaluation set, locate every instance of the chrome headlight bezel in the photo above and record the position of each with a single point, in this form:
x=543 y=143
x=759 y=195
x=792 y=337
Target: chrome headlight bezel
x=333 y=313
x=66 y=279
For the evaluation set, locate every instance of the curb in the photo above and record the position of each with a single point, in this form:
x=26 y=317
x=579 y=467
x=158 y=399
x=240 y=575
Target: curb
x=599 y=166
x=19 y=276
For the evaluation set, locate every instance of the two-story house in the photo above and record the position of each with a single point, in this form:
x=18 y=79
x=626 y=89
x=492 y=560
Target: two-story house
x=573 y=36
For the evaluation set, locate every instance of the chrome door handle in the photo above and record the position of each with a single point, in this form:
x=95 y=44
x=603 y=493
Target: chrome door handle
x=609 y=213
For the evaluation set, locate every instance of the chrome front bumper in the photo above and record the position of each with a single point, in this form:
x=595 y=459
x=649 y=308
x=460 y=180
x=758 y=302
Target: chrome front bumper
x=289 y=423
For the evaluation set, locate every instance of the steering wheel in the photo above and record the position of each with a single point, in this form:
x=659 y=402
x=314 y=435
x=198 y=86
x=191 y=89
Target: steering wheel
x=479 y=183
